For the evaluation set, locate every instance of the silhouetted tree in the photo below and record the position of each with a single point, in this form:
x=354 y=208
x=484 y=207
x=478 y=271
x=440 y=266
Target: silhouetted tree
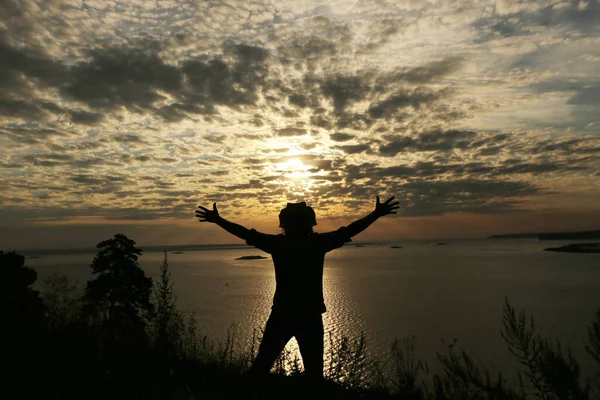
x=167 y=321
x=120 y=294
x=22 y=319
x=20 y=306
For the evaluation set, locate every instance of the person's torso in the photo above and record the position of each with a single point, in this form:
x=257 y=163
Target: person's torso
x=299 y=274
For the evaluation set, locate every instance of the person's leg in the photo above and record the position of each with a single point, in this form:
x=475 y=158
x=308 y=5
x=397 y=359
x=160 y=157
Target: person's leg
x=276 y=335
x=309 y=334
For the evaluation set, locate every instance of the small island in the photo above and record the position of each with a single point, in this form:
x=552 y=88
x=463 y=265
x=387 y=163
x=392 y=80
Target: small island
x=396 y=247
x=177 y=252
x=251 y=258
x=577 y=248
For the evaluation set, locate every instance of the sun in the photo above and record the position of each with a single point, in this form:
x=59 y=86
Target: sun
x=294 y=169
x=296 y=177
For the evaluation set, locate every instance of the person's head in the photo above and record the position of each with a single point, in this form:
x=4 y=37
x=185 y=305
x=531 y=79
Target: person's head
x=297 y=219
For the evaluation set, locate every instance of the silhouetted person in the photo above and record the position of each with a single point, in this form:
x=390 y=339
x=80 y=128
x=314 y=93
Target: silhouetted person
x=298 y=255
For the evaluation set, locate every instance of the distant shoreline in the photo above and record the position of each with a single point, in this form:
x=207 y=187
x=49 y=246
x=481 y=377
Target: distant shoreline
x=584 y=235
x=577 y=248
x=145 y=249
x=581 y=235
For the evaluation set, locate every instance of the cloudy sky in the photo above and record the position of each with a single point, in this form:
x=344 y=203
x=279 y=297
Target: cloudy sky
x=481 y=117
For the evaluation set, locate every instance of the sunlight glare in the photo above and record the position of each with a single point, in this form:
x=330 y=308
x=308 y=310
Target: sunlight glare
x=294 y=169
x=296 y=177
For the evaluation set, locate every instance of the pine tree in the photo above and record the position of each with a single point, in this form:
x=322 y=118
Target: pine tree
x=121 y=291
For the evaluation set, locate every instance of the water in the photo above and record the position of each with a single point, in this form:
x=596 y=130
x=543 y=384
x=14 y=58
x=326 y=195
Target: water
x=436 y=293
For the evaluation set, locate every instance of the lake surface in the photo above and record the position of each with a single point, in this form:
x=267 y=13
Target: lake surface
x=437 y=293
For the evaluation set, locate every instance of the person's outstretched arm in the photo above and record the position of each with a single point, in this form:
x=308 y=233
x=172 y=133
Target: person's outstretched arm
x=206 y=215
x=381 y=209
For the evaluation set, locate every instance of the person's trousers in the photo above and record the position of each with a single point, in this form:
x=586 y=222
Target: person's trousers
x=281 y=327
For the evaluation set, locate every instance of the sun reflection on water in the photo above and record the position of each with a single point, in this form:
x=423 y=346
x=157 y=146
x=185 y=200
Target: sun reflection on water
x=341 y=319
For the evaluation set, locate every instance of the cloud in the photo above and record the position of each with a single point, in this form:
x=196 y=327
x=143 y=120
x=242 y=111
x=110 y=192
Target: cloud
x=587 y=96
x=119 y=77
x=353 y=148
x=126 y=110
x=397 y=145
x=343 y=90
x=426 y=73
x=402 y=99
x=85 y=117
x=252 y=184
x=68 y=160
x=30 y=133
x=215 y=138
x=219 y=173
x=466 y=195
x=287 y=132
x=22 y=110
x=298 y=100
x=341 y=137
x=24 y=68
x=150 y=158
x=215 y=82
x=523 y=18
x=129 y=139
x=436 y=140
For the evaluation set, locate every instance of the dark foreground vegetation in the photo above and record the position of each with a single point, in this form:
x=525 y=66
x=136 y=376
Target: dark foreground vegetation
x=123 y=337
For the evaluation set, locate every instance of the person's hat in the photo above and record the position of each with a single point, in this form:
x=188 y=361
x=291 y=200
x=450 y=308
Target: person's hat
x=297 y=214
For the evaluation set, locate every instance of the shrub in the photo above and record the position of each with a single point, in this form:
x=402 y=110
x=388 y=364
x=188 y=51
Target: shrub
x=349 y=363
x=593 y=348
x=62 y=301
x=406 y=370
x=552 y=372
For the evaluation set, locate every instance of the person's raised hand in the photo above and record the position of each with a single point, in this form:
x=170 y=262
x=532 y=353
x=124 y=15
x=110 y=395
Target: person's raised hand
x=206 y=215
x=387 y=207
